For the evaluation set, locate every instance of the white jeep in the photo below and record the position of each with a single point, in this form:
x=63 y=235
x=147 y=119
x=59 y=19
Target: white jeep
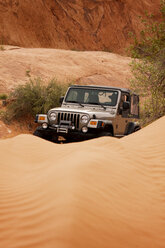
x=91 y=111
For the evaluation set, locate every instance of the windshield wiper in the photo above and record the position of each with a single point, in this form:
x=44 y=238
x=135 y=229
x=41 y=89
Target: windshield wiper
x=96 y=103
x=76 y=102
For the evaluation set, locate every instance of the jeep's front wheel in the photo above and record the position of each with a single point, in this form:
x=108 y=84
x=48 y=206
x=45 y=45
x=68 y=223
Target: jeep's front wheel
x=39 y=132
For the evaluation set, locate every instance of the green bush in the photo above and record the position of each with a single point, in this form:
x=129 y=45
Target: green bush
x=149 y=83
x=152 y=36
x=148 y=67
x=2 y=48
x=34 y=97
x=3 y=96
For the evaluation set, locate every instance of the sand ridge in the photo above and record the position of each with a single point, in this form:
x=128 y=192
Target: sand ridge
x=105 y=192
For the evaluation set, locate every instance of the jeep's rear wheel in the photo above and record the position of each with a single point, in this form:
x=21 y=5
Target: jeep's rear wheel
x=137 y=129
x=105 y=134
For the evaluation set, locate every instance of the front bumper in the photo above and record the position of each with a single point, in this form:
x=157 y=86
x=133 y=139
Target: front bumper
x=67 y=129
x=69 y=132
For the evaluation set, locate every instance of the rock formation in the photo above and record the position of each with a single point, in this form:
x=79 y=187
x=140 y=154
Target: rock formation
x=75 y=24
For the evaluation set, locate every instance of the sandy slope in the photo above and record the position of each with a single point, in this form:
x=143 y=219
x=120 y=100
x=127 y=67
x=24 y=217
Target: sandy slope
x=99 y=194
x=100 y=68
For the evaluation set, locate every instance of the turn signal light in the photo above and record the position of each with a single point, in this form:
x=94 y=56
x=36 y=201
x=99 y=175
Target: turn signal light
x=93 y=123
x=42 y=118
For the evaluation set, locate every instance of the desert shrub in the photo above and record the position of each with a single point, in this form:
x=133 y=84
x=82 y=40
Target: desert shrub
x=28 y=73
x=2 y=48
x=34 y=97
x=149 y=83
x=3 y=96
x=148 y=67
x=54 y=91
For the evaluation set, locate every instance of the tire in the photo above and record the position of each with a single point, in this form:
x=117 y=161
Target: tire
x=137 y=129
x=105 y=134
x=68 y=140
x=39 y=132
x=131 y=128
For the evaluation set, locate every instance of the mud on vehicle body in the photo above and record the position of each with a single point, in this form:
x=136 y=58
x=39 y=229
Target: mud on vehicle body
x=91 y=111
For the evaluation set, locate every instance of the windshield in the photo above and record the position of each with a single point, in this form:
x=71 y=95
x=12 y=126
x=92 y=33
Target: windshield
x=92 y=96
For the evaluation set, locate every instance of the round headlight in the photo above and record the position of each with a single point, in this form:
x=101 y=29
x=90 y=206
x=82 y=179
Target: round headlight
x=52 y=116
x=44 y=125
x=84 y=119
x=84 y=129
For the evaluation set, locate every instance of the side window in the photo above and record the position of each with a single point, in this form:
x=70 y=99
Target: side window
x=125 y=98
x=135 y=105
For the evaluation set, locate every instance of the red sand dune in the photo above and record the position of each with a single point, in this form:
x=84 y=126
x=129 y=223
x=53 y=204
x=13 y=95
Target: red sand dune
x=101 y=193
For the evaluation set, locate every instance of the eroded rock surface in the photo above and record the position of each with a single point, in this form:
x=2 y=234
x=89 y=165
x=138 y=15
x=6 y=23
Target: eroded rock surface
x=74 y=24
x=18 y=64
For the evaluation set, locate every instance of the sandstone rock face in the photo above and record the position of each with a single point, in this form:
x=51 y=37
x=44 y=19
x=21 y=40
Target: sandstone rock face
x=73 y=24
x=86 y=67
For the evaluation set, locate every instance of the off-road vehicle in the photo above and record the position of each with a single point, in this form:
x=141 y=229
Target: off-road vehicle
x=91 y=111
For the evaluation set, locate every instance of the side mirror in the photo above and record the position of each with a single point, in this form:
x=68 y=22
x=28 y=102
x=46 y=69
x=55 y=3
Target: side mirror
x=126 y=105
x=61 y=99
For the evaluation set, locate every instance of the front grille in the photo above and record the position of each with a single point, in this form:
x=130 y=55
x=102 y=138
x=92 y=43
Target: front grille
x=65 y=116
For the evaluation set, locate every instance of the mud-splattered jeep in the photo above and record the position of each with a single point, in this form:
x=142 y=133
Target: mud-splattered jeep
x=91 y=111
